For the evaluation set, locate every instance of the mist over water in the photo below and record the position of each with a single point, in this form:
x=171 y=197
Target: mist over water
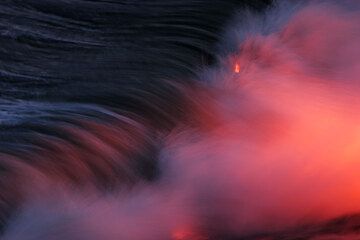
x=264 y=143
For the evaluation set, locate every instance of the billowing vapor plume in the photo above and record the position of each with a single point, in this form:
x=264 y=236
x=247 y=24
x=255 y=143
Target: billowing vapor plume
x=270 y=144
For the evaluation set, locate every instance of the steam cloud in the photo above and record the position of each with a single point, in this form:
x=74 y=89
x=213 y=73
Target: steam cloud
x=272 y=143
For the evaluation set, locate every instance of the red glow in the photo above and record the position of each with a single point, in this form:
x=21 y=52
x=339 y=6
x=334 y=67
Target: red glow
x=180 y=234
x=237 y=68
x=186 y=234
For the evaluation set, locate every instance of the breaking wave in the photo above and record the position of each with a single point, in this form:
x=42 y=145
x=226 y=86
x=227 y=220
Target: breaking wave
x=180 y=120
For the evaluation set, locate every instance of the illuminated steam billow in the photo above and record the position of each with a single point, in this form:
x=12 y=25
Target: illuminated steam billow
x=180 y=120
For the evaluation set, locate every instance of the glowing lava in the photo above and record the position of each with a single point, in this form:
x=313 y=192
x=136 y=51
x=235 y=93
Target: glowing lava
x=237 y=68
x=186 y=234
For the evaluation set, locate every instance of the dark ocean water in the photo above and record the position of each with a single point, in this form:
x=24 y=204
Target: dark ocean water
x=93 y=91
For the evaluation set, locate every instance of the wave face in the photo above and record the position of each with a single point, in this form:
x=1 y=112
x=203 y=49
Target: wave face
x=179 y=120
